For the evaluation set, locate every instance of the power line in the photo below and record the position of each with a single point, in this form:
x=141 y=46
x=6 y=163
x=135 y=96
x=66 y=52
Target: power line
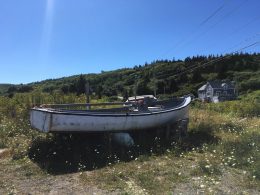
x=221 y=58
x=189 y=69
x=244 y=41
x=216 y=23
x=199 y=26
x=213 y=14
x=180 y=45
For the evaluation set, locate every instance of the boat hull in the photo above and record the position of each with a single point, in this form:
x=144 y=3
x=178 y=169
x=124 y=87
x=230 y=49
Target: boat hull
x=46 y=120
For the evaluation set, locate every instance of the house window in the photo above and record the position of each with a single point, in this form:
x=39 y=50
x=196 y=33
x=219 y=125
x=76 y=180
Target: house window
x=225 y=92
x=224 y=85
x=209 y=91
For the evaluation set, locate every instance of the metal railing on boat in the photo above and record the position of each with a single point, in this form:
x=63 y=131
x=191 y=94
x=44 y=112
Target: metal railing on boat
x=88 y=106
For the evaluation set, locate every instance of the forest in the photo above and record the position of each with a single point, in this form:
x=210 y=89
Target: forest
x=160 y=77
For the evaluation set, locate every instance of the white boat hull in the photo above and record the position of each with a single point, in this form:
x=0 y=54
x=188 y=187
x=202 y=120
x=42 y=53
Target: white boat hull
x=47 y=120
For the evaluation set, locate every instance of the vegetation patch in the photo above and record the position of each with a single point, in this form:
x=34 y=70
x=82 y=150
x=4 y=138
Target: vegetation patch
x=221 y=144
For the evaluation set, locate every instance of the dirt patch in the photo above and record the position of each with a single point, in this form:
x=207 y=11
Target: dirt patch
x=27 y=178
x=231 y=182
x=4 y=153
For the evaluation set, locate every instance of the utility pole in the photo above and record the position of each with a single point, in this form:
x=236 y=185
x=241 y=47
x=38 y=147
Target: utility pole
x=135 y=87
x=87 y=94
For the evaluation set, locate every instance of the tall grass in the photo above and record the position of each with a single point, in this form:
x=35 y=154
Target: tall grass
x=247 y=106
x=218 y=145
x=15 y=130
x=238 y=139
x=220 y=139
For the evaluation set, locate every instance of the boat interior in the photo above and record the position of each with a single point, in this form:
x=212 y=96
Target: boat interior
x=117 y=108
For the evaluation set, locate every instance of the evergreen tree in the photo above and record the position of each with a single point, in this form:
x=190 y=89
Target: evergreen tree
x=142 y=88
x=125 y=94
x=196 y=76
x=81 y=85
x=99 y=91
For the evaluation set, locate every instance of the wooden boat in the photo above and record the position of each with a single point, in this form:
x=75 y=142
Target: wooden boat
x=131 y=115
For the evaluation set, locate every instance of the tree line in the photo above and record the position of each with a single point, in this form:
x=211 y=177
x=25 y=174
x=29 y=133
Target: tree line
x=158 y=77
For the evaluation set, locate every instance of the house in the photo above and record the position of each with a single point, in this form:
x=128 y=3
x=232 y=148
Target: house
x=217 y=91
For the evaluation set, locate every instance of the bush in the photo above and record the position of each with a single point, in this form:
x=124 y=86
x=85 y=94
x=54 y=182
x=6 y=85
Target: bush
x=248 y=106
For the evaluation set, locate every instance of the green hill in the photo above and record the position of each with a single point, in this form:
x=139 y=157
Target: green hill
x=4 y=88
x=163 y=77
x=222 y=143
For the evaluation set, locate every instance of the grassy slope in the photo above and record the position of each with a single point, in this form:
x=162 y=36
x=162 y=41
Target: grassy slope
x=220 y=155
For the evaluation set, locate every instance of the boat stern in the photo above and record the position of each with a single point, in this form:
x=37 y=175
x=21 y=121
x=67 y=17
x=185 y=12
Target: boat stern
x=40 y=120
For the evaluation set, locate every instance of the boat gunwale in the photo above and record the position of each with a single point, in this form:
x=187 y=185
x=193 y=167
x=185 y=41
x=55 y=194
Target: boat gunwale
x=185 y=103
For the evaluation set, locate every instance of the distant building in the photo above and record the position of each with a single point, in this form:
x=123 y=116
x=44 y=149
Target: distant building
x=217 y=91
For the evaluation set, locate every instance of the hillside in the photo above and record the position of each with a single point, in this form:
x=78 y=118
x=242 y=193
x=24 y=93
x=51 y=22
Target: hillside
x=168 y=77
x=220 y=155
x=4 y=88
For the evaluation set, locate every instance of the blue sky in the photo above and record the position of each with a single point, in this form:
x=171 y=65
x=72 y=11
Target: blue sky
x=54 y=38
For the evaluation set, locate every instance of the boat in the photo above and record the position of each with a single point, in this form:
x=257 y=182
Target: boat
x=137 y=113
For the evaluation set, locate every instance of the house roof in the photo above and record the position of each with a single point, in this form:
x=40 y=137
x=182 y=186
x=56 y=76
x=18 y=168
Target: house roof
x=220 y=84
x=202 y=88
